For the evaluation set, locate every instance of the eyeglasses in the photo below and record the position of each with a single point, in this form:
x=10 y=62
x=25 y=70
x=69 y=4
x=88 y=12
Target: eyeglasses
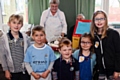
x=79 y=18
x=83 y=42
x=99 y=19
x=54 y=6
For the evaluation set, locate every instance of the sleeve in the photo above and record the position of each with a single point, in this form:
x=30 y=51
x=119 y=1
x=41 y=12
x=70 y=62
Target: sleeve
x=54 y=71
x=64 y=30
x=76 y=54
x=76 y=70
x=42 y=20
x=3 y=52
x=116 y=44
x=77 y=75
x=28 y=67
x=50 y=66
x=1 y=33
x=94 y=60
x=3 y=59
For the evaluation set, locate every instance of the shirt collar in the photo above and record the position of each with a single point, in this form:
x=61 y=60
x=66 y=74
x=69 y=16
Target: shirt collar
x=72 y=59
x=11 y=36
x=54 y=15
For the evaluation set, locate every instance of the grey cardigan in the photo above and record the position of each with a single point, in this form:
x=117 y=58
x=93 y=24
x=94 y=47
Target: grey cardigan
x=5 y=54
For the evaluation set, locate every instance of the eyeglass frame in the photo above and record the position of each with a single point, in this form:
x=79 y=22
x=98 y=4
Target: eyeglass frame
x=83 y=42
x=99 y=19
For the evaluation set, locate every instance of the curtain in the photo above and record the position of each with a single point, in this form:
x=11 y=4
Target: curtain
x=86 y=7
x=35 y=9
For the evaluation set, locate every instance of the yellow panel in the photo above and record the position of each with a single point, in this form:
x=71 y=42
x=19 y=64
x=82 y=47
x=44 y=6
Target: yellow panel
x=75 y=42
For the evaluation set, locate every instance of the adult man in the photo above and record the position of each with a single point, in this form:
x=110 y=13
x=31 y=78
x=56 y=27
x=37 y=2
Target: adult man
x=54 y=22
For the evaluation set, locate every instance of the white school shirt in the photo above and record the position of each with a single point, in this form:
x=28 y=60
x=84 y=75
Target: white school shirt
x=54 y=25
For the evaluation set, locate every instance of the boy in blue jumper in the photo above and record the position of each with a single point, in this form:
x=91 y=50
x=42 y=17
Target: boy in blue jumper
x=39 y=57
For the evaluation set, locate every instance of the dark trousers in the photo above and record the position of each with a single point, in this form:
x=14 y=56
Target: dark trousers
x=107 y=73
x=2 y=74
x=20 y=76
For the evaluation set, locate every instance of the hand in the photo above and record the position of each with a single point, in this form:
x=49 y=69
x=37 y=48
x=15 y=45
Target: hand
x=7 y=75
x=35 y=75
x=45 y=74
x=116 y=75
x=62 y=34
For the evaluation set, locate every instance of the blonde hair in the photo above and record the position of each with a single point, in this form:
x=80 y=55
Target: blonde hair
x=54 y=1
x=64 y=41
x=16 y=16
x=94 y=29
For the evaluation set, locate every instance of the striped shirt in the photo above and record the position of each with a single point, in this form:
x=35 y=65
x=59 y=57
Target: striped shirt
x=17 y=52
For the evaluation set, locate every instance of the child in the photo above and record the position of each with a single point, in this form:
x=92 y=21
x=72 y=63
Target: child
x=65 y=67
x=12 y=49
x=86 y=57
x=107 y=46
x=39 y=56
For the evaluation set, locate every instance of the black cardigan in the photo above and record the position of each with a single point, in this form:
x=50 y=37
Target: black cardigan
x=111 y=52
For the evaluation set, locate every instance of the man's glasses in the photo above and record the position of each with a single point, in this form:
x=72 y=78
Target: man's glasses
x=54 y=6
x=83 y=42
x=100 y=19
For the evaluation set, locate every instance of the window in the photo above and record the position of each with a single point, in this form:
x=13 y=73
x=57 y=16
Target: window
x=112 y=8
x=19 y=6
x=97 y=5
x=114 y=11
x=10 y=7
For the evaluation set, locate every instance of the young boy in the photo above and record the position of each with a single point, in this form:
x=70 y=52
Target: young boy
x=39 y=57
x=12 y=50
x=66 y=67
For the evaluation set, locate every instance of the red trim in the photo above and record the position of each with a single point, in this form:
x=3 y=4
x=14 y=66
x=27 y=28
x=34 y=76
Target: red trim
x=78 y=35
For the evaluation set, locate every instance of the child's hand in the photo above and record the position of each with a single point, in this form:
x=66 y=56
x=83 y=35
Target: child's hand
x=7 y=75
x=45 y=74
x=35 y=75
x=116 y=75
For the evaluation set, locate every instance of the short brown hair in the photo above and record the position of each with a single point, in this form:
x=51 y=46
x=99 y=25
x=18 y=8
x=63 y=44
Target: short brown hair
x=87 y=35
x=38 y=28
x=65 y=41
x=16 y=16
